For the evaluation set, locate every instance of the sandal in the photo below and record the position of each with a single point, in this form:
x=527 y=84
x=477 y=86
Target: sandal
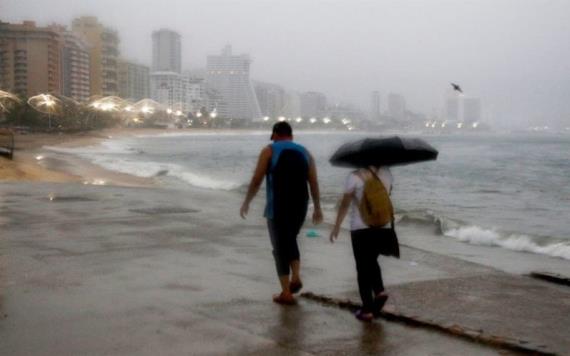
x=364 y=316
x=284 y=299
x=295 y=287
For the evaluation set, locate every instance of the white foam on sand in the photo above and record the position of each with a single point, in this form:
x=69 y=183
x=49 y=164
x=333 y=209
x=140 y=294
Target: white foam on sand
x=119 y=157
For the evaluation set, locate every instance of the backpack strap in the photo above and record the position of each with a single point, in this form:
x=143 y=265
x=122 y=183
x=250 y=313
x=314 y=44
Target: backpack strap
x=374 y=174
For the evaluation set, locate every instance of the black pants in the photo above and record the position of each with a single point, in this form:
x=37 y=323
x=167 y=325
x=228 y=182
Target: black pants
x=366 y=245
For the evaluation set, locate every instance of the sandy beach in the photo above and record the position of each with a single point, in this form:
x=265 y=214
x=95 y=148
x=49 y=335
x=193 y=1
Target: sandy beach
x=29 y=163
x=132 y=267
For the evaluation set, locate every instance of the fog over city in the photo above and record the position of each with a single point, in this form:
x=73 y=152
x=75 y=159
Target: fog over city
x=513 y=54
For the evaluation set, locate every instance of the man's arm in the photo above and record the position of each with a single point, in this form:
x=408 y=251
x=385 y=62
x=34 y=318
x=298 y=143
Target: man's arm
x=315 y=194
x=256 y=180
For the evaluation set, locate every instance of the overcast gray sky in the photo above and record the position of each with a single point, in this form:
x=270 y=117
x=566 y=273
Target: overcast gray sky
x=514 y=54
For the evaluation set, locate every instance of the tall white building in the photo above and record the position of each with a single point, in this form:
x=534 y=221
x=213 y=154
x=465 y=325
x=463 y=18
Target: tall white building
x=166 y=51
x=271 y=99
x=178 y=91
x=228 y=75
x=166 y=88
x=461 y=108
x=167 y=85
x=396 y=106
x=471 y=110
x=194 y=92
x=313 y=104
x=133 y=80
x=375 y=105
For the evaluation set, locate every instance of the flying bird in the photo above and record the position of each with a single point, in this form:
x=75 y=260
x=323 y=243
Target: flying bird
x=456 y=87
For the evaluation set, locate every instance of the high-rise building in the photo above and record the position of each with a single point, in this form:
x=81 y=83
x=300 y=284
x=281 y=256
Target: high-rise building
x=292 y=107
x=271 y=99
x=228 y=74
x=195 y=97
x=396 y=106
x=166 y=51
x=375 y=105
x=452 y=108
x=313 y=104
x=471 y=110
x=75 y=67
x=30 y=59
x=103 y=54
x=167 y=89
x=134 y=80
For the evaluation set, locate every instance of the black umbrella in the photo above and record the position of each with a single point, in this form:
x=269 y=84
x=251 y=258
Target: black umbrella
x=383 y=152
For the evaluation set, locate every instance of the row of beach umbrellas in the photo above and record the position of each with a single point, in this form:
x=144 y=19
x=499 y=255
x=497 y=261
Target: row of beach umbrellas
x=365 y=152
x=54 y=104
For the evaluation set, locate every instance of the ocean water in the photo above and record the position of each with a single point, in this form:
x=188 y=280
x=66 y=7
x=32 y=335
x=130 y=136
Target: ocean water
x=508 y=191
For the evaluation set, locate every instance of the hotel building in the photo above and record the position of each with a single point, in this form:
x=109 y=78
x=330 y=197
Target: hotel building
x=30 y=59
x=103 y=53
x=228 y=74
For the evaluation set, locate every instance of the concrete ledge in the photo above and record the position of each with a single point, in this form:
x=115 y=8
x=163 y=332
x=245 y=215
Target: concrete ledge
x=551 y=277
x=452 y=329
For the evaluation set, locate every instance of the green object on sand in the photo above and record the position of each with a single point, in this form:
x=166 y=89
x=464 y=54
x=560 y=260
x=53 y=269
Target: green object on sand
x=312 y=233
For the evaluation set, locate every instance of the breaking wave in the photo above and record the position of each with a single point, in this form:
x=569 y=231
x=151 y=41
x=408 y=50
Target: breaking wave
x=477 y=235
x=117 y=156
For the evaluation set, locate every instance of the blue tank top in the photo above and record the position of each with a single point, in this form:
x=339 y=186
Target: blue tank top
x=277 y=148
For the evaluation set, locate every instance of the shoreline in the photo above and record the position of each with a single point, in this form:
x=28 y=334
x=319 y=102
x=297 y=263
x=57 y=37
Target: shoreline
x=32 y=164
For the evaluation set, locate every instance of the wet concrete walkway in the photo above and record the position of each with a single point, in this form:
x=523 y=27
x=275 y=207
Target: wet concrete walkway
x=106 y=270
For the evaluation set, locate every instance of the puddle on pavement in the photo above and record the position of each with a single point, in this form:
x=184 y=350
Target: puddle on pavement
x=164 y=210
x=68 y=198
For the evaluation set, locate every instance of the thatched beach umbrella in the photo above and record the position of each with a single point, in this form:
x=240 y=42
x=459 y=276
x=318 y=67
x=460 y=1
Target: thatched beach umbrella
x=108 y=104
x=147 y=106
x=47 y=104
x=7 y=100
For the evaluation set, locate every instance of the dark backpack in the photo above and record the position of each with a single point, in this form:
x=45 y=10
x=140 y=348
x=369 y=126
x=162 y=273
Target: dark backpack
x=290 y=190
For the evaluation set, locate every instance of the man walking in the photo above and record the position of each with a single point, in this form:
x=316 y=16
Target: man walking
x=287 y=167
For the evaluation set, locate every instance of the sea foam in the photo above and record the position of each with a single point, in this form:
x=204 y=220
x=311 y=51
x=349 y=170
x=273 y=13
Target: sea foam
x=119 y=157
x=480 y=236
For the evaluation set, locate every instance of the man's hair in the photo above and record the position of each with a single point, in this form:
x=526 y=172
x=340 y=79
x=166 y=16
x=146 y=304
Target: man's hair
x=282 y=129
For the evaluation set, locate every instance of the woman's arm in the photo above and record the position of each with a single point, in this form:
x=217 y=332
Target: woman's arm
x=315 y=194
x=342 y=211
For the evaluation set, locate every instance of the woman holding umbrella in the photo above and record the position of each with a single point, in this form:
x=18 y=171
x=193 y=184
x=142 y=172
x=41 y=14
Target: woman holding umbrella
x=367 y=190
x=367 y=241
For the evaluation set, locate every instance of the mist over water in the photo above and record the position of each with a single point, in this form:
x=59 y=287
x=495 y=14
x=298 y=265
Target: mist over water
x=510 y=191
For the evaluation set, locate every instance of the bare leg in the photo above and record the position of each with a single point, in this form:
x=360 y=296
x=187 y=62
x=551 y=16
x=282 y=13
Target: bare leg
x=296 y=284
x=285 y=297
x=295 y=268
x=284 y=280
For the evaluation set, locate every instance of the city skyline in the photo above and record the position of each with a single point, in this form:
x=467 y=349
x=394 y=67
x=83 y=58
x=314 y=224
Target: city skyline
x=514 y=63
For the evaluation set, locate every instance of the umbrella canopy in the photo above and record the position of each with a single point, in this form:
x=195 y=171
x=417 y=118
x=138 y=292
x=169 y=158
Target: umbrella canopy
x=108 y=103
x=46 y=103
x=147 y=106
x=7 y=101
x=383 y=152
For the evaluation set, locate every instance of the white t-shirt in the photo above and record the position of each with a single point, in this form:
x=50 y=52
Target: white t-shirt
x=355 y=184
